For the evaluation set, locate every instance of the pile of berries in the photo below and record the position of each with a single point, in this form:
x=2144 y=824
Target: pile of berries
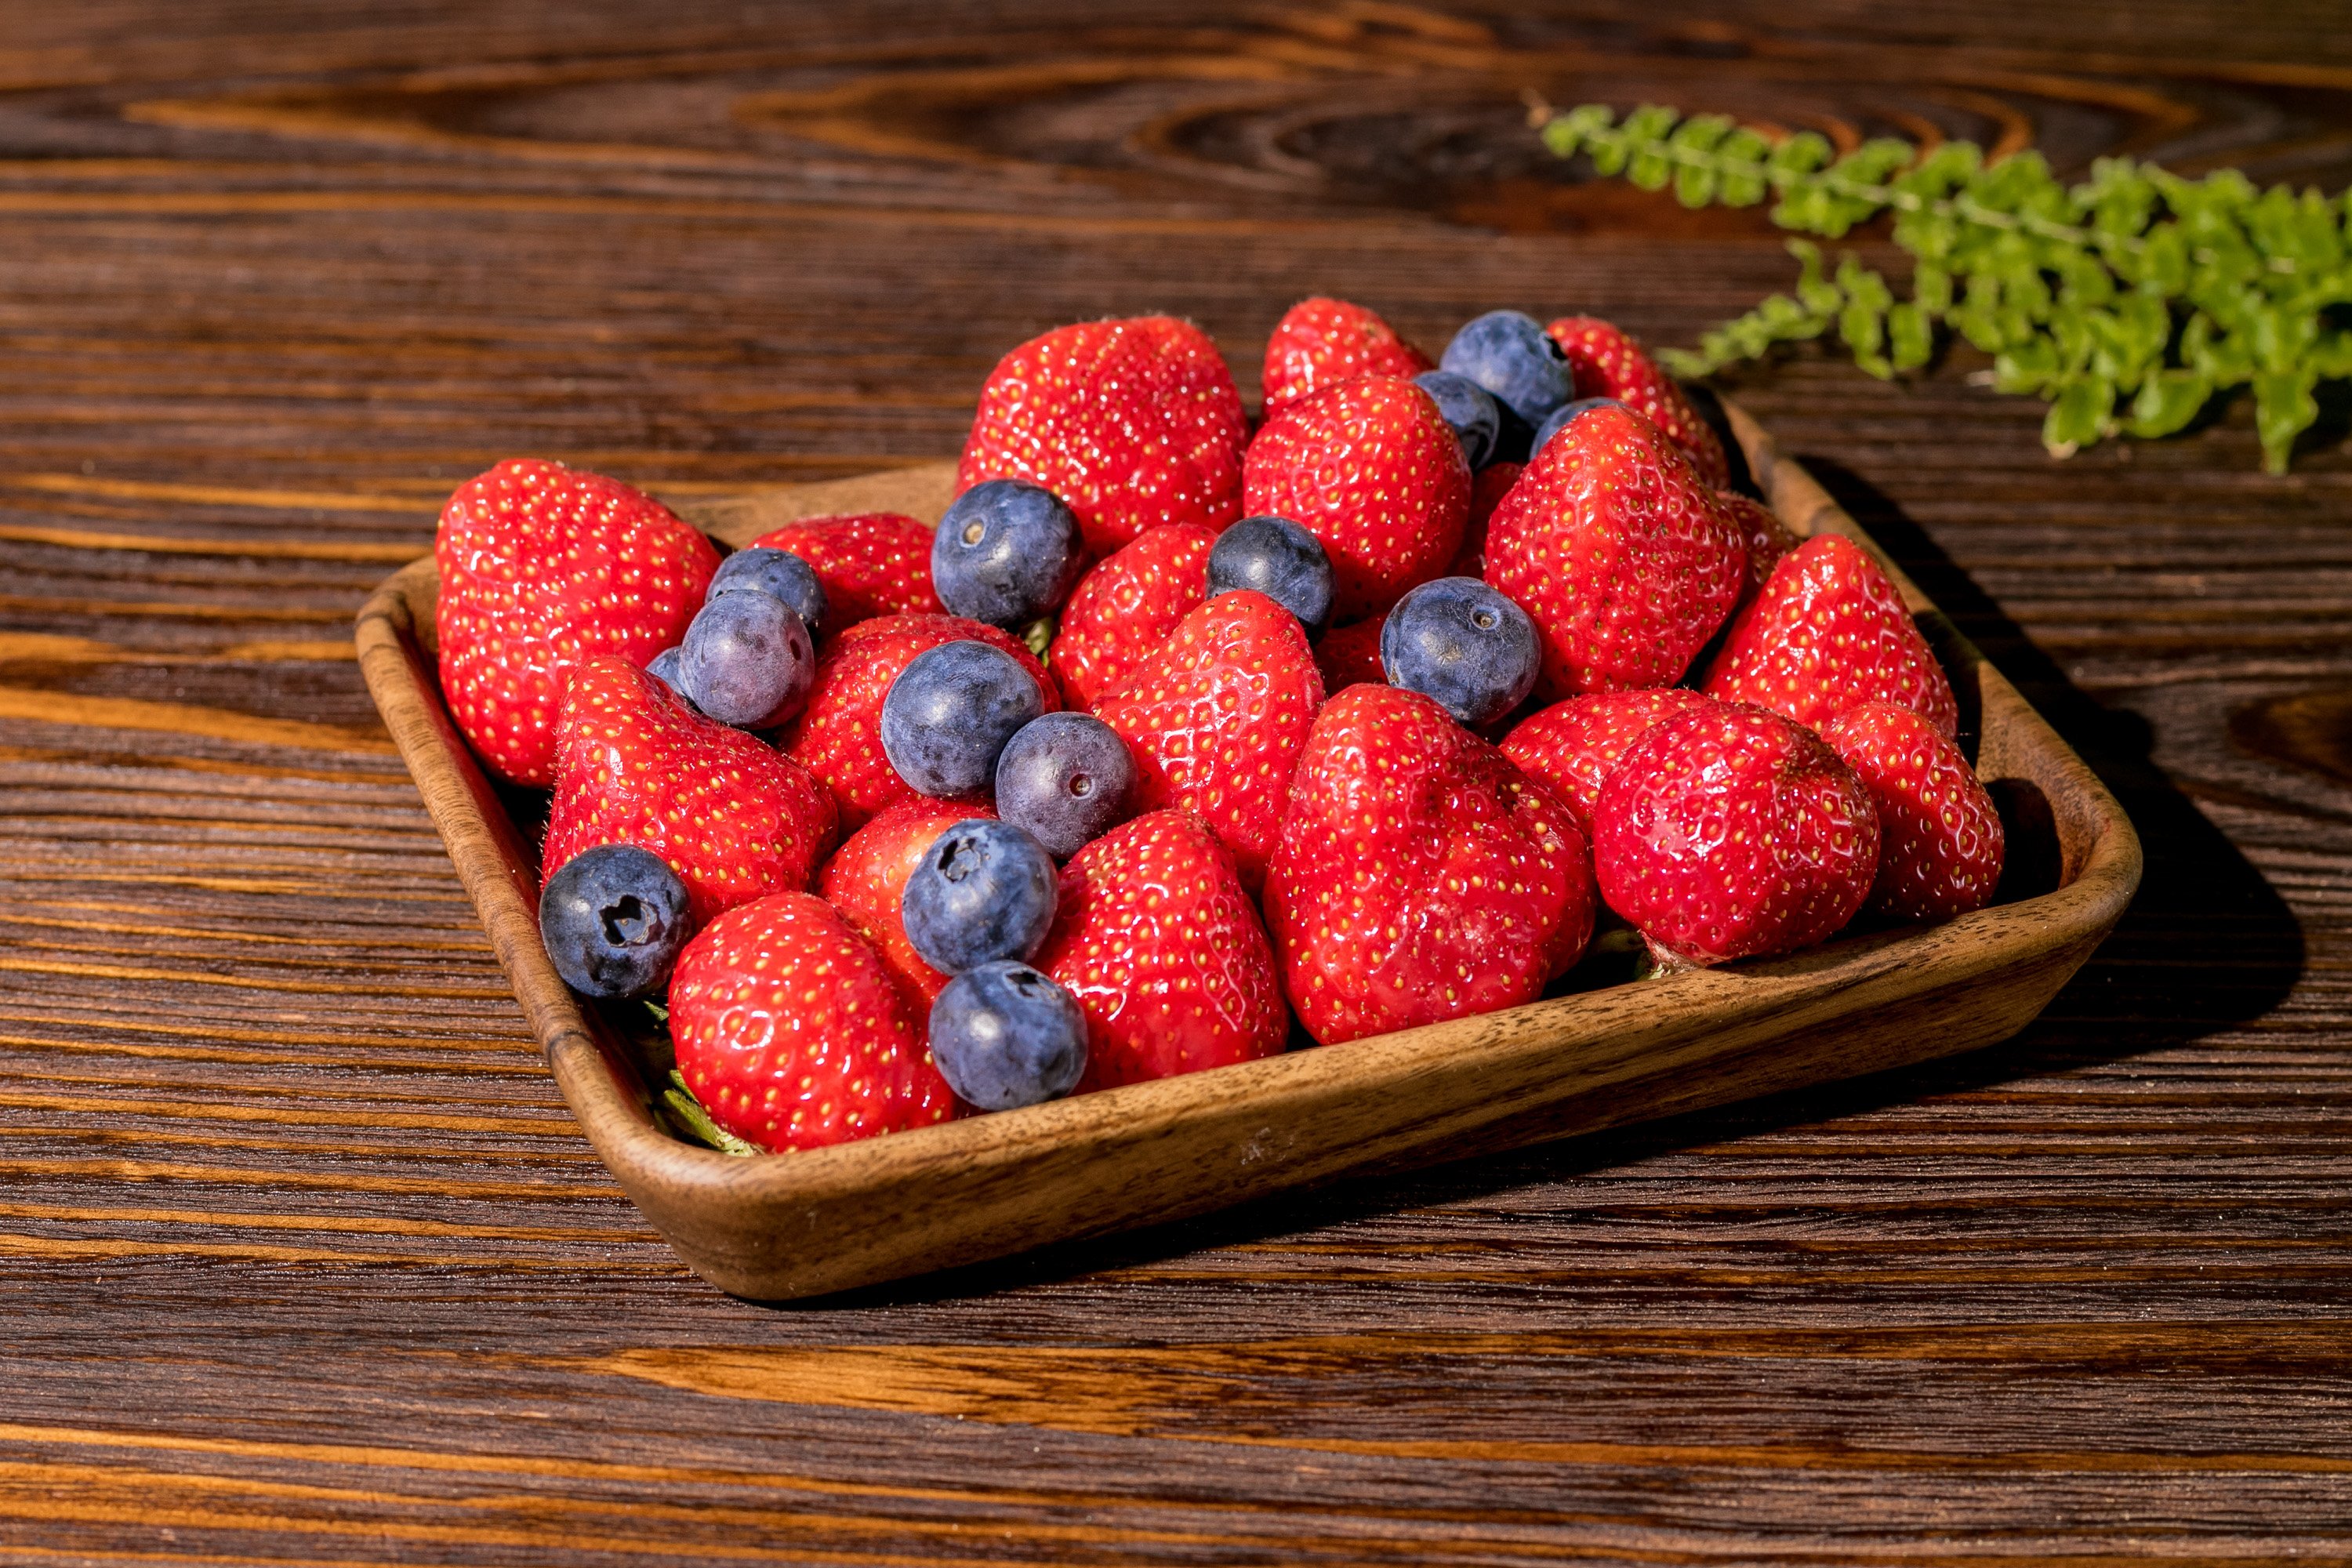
x=1362 y=715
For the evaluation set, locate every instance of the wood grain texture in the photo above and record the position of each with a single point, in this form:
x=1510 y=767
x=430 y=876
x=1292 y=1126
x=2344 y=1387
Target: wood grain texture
x=304 y=1260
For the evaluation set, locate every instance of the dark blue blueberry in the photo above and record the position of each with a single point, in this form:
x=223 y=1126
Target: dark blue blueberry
x=1470 y=408
x=777 y=571
x=1006 y=553
x=1514 y=359
x=1461 y=643
x=947 y=717
x=1565 y=415
x=664 y=669
x=1277 y=558
x=1005 y=1036
x=982 y=892
x=614 y=918
x=1064 y=777
x=746 y=660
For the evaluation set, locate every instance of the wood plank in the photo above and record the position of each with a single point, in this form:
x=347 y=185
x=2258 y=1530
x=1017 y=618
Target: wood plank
x=2077 y=1298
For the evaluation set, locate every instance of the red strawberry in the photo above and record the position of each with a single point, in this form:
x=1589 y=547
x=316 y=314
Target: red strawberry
x=1163 y=950
x=540 y=566
x=1730 y=832
x=1829 y=631
x=1133 y=424
x=734 y=818
x=1348 y=654
x=838 y=735
x=1488 y=486
x=1940 y=839
x=1126 y=607
x=1626 y=562
x=791 y=1033
x=1607 y=362
x=871 y=563
x=1319 y=342
x=866 y=877
x=1768 y=538
x=1421 y=876
x=1575 y=745
x=1373 y=470
x=1216 y=717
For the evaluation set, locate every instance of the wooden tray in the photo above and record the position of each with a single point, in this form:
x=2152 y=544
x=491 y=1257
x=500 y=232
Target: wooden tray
x=828 y=1219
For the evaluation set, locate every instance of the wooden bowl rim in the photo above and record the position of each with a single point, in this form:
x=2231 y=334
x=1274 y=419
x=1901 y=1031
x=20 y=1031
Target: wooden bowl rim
x=599 y=1080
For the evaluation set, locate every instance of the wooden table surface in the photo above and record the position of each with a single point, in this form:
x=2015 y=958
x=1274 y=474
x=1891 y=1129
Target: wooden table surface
x=301 y=1258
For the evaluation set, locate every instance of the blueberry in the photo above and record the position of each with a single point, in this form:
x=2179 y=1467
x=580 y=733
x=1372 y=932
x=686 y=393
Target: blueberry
x=1005 y=1036
x=1514 y=358
x=1459 y=641
x=947 y=717
x=664 y=669
x=614 y=918
x=1006 y=553
x=1566 y=414
x=1470 y=408
x=1064 y=777
x=1279 y=559
x=777 y=571
x=746 y=660
x=984 y=890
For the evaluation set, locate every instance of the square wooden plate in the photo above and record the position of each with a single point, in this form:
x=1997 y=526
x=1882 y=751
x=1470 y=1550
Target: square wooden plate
x=829 y=1219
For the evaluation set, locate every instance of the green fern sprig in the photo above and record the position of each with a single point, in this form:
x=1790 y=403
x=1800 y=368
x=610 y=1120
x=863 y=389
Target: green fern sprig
x=2126 y=302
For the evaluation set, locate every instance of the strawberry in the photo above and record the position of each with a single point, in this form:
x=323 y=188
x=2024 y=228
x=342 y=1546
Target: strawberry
x=1216 y=717
x=1421 y=876
x=1768 y=538
x=1827 y=632
x=866 y=874
x=734 y=818
x=1940 y=838
x=791 y=1033
x=1575 y=745
x=871 y=563
x=1319 y=342
x=838 y=735
x=1608 y=362
x=1625 y=562
x=540 y=566
x=1126 y=607
x=1373 y=470
x=1730 y=832
x=1132 y=423
x=1163 y=950
x=1350 y=654
x=1488 y=486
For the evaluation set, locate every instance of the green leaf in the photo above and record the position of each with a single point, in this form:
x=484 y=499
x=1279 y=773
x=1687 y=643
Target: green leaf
x=2029 y=366
x=2331 y=356
x=683 y=1108
x=1821 y=297
x=2168 y=400
x=2079 y=417
x=1932 y=286
x=2284 y=409
x=1569 y=132
x=1741 y=158
x=1910 y=339
x=1039 y=634
x=1800 y=154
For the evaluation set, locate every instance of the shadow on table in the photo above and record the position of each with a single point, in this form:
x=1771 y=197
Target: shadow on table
x=2206 y=944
